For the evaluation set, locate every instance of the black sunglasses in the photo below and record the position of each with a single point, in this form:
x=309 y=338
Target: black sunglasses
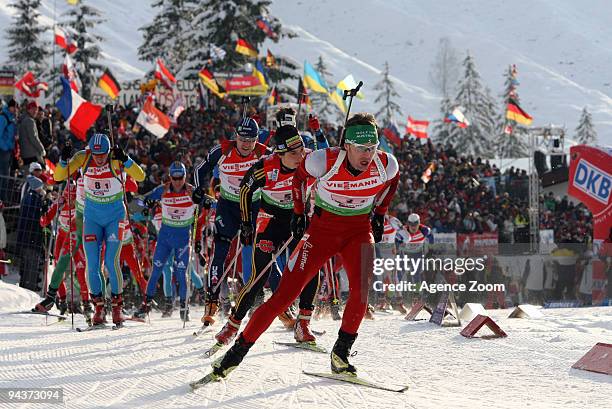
x=177 y=177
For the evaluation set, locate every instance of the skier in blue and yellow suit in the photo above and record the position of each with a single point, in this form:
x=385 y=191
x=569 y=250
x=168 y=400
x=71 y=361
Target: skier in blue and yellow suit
x=104 y=211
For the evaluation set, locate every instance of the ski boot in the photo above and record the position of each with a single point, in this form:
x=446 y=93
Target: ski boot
x=232 y=358
x=335 y=310
x=184 y=311
x=209 y=312
x=399 y=306
x=382 y=305
x=47 y=303
x=369 y=314
x=287 y=319
x=168 y=307
x=341 y=352
x=301 y=331
x=99 y=316
x=87 y=311
x=202 y=296
x=75 y=307
x=61 y=305
x=144 y=309
x=229 y=331
x=117 y=305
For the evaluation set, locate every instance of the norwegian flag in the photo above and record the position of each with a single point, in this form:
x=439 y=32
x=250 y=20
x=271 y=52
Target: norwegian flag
x=71 y=74
x=64 y=40
x=164 y=75
x=417 y=128
x=29 y=86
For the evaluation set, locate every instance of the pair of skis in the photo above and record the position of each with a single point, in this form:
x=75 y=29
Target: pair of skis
x=114 y=327
x=355 y=380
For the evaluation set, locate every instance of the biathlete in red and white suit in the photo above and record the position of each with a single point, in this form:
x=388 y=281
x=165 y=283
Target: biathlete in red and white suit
x=354 y=187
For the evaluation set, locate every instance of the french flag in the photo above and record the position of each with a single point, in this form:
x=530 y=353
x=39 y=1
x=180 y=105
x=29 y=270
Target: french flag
x=79 y=115
x=458 y=118
x=63 y=40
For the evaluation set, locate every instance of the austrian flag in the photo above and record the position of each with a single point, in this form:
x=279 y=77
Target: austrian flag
x=417 y=128
x=153 y=120
x=164 y=75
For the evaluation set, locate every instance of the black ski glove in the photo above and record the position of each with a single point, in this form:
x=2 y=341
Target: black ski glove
x=119 y=154
x=150 y=203
x=298 y=225
x=246 y=234
x=198 y=195
x=378 y=227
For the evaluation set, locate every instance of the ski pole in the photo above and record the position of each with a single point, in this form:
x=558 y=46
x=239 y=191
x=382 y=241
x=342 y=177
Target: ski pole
x=267 y=267
x=188 y=271
x=245 y=102
x=349 y=93
x=70 y=221
x=231 y=264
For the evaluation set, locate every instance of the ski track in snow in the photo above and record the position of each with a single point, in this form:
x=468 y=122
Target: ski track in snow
x=151 y=365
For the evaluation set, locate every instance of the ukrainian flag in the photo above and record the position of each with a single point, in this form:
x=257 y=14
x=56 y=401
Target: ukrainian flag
x=313 y=80
x=260 y=74
x=350 y=83
x=336 y=97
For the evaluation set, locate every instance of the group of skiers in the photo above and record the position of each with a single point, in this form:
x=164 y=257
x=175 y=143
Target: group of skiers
x=285 y=210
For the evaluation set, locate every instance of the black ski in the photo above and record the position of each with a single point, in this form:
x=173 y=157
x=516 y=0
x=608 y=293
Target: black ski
x=91 y=328
x=309 y=346
x=213 y=350
x=355 y=380
x=48 y=314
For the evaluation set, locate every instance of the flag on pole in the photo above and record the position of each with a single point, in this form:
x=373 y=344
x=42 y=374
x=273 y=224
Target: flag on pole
x=417 y=128
x=64 y=40
x=515 y=113
x=426 y=176
x=177 y=109
x=208 y=79
x=244 y=48
x=336 y=97
x=273 y=98
x=392 y=134
x=153 y=120
x=303 y=97
x=109 y=84
x=71 y=74
x=164 y=75
x=260 y=73
x=270 y=60
x=266 y=28
x=216 y=53
x=457 y=117
x=79 y=115
x=349 y=83
x=313 y=79
x=30 y=86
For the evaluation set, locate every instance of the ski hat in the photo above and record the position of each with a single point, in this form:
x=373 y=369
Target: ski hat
x=34 y=183
x=414 y=218
x=287 y=138
x=35 y=166
x=99 y=144
x=177 y=169
x=247 y=129
x=361 y=134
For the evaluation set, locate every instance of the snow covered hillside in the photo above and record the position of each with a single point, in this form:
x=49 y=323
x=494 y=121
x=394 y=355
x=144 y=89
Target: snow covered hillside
x=561 y=47
x=151 y=365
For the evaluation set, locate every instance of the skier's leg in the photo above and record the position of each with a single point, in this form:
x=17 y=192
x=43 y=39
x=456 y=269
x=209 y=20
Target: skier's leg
x=167 y=273
x=112 y=238
x=92 y=237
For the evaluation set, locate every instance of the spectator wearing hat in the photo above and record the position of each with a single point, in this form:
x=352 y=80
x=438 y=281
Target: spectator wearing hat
x=32 y=149
x=35 y=175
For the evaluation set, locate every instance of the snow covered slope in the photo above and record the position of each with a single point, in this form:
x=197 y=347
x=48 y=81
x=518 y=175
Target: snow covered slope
x=151 y=365
x=14 y=298
x=561 y=47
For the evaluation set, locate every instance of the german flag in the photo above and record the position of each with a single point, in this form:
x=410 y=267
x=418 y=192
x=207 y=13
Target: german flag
x=303 y=97
x=109 y=84
x=515 y=113
x=208 y=79
x=244 y=48
x=270 y=60
x=273 y=97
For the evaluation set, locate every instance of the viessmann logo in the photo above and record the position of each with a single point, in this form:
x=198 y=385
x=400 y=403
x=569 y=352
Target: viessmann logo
x=593 y=181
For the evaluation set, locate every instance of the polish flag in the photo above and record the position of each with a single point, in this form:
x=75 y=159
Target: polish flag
x=417 y=128
x=79 y=114
x=63 y=40
x=163 y=74
x=153 y=120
